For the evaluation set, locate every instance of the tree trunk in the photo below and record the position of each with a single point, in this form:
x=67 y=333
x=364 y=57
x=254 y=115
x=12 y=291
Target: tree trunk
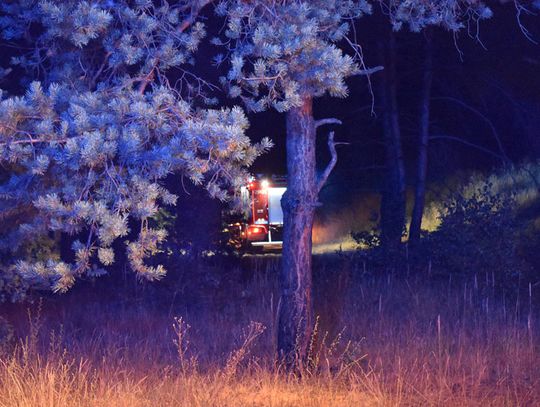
x=421 y=171
x=393 y=196
x=295 y=317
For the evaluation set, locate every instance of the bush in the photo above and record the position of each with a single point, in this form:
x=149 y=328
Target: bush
x=6 y=334
x=488 y=225
x=13 y=288
x=479 y=233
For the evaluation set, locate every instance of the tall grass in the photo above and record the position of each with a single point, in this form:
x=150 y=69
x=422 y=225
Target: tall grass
x=380 y=341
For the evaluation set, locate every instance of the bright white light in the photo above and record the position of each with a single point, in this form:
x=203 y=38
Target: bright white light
x=275 y=213
x=265 y=184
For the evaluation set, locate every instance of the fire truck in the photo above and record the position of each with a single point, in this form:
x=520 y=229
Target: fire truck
x=260 y=226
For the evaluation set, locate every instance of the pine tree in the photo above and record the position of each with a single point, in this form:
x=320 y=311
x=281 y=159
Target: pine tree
x=97 y=126
x=283 y=54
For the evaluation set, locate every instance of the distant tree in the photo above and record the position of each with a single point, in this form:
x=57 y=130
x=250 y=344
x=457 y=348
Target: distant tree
x=417 y=16
x=108 y=107
x=393 y=199
x=423 y=140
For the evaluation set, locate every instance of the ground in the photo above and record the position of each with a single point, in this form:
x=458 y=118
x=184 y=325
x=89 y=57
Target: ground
x=205 y=337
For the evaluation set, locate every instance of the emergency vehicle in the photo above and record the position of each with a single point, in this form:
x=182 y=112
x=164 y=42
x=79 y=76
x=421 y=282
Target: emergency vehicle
x=261 y=224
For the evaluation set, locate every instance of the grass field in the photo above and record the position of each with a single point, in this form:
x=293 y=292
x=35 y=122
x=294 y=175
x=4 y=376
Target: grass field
x=204 y=337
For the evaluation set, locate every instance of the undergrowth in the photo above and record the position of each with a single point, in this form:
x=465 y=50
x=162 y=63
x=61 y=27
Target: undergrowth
x=380 y=341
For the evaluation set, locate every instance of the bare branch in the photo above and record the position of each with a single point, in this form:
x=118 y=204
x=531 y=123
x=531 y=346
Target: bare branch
x=331 y=164
x=520 y=9
x=468 y=143
x=100 y=70
x=148 y=78
x=188 y=22
x=486 y=120
x=323 y=122
x=195 y=10
x=369 y=71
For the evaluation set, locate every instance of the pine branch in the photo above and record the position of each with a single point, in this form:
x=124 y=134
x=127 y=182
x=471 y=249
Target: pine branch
x=324 y=122
x=369 y=71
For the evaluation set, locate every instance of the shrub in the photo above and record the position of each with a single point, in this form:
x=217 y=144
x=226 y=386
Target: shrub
x=478 y=233
x=6 y=334
x=12 y=287
x=488 y=226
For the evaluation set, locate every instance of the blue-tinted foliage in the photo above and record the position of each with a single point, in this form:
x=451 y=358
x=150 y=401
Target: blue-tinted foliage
x=280 y=52
x=99 y=127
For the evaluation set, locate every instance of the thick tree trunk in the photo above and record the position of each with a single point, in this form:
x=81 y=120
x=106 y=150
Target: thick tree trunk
x=393 y=196
x=421 y=171
x=295 y=317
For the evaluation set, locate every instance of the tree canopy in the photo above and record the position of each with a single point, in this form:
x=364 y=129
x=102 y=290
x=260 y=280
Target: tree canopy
x=101 y=126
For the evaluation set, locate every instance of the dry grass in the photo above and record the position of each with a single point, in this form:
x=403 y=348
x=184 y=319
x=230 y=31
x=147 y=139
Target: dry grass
x=67 y=383
x=381 y=341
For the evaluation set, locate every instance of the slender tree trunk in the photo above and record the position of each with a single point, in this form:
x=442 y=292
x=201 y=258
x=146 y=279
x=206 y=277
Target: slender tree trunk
x=393 y=196
x=421 y=171
x=295 y=317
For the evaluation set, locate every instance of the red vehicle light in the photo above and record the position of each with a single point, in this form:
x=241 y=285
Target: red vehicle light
x=256 y=230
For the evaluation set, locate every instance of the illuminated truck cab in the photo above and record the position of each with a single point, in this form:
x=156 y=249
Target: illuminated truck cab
x=262 y=225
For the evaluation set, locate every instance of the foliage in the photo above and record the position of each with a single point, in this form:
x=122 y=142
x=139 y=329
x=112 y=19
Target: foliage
x=522 y=180
x=453 y=15
x=100 y=127
x=488 y=224
x=282 y=51
x=478 y=233
x=6 y=334
x=13 y=287
x=367 y=239
x=485 y=228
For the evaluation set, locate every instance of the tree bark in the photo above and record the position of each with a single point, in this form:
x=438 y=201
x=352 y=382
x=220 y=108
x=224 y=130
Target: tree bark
x=393 y=196
x=421 y=171
x=295 y=314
